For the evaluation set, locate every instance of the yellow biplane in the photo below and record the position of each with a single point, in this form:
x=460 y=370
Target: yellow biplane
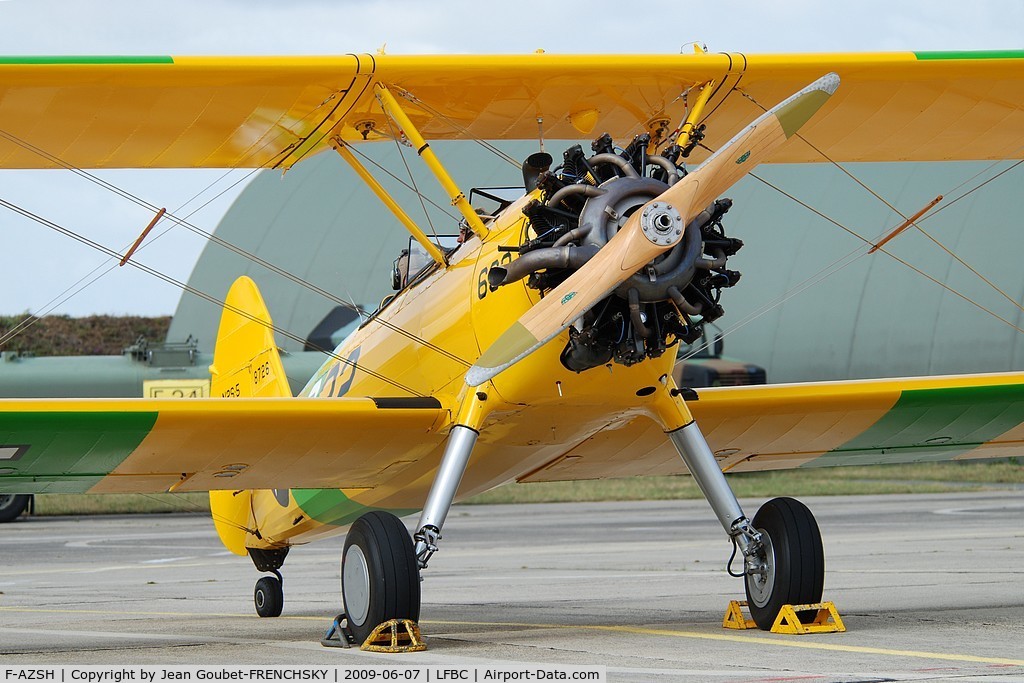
x=540 y=346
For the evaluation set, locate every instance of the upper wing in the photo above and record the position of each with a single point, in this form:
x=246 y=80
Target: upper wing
x=118 y=112
x=142 y=445
x=859 y=422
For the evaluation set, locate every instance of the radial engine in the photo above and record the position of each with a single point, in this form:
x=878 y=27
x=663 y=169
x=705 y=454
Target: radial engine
x=583 y=203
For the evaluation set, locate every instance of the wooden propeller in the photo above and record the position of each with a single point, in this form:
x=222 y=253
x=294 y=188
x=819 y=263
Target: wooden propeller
x=650 y=231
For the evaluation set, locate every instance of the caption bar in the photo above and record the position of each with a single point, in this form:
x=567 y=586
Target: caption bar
x=320 y=674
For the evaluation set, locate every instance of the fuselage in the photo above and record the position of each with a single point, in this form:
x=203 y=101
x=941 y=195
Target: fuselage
x=421 y=343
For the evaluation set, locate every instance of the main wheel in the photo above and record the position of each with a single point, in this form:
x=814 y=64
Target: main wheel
x=12 y=505
x=269 y=597
x=795 y=561
x=380 y=578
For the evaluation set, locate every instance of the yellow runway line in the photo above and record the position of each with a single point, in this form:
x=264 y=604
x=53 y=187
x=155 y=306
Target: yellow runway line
x=787 y=642
x=813 y=645
x=638 y=630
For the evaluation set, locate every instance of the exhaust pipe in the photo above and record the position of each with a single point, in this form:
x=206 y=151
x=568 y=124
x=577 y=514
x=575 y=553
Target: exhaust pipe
x=534 y=165
x=530 y=262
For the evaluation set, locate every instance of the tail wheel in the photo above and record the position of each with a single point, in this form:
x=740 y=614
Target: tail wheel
x=794 y=563
x=380 y=577
x=269 y=597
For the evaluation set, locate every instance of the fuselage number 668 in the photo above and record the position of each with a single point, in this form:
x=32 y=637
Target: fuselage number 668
x=482 y=287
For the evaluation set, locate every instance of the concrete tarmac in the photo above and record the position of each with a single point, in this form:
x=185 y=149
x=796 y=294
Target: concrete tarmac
x=931 y=587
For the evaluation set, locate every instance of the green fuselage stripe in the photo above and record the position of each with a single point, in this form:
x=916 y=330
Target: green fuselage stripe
x=973 y=54
x=78 y=448
x=331 y=506
x=933 y=424
x=86 y=59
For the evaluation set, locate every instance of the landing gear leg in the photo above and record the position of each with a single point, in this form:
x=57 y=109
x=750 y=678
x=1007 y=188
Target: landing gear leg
x=442 y=492
x=461 y=440
x=380 y=571
x=783 y=559
x=268 y=595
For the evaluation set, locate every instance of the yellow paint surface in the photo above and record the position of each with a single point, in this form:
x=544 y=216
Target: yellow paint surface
x=271 y=111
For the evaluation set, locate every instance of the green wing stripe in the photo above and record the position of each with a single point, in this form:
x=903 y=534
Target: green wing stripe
x=78 y=448
x=331 y=506
x=933 y=424
x=976 y=54
x=86 y=59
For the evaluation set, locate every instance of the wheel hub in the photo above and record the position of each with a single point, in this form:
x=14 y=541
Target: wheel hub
x=759 y=583
x=355 y=585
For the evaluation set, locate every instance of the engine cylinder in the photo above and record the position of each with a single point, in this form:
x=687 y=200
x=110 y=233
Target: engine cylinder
x=585 y=203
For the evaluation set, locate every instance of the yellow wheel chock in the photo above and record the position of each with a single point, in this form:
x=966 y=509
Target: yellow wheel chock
x=397 y=635
x=826 y=619
x=734 y=616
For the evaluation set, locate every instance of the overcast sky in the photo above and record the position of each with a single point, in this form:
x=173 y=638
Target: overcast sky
x=38 y=265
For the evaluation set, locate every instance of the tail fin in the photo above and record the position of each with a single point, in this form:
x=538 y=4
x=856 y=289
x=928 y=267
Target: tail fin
x=245 y=360
x=246 y=363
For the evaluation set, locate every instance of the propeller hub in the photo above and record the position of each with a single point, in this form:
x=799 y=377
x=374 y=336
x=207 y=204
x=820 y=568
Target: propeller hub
x=662 y=224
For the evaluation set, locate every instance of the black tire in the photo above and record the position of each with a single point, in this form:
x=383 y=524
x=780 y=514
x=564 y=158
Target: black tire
x=380 y=578
x=12 y=505
x=269 y=597
x=796 y=561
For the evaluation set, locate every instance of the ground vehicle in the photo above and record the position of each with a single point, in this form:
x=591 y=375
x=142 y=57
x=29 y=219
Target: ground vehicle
x=708 y=368
x=13 y=504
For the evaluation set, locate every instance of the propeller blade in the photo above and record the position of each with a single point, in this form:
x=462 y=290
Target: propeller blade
x=651 y=231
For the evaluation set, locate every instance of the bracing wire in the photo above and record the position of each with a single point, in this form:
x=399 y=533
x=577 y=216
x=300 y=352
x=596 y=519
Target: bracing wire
x=184 y=222
x=916 y=223
x=821 y=275
x=203 y=295
x=184 y=503
x=843 y=262
x=412 y=179
x=249 y=155
x=367 y=159
x=74 y=289
x=888 y=253
x=855 y=255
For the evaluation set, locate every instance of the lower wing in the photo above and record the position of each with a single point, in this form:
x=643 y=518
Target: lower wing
x=145 y=445
x=823 y=424
x=139 y=445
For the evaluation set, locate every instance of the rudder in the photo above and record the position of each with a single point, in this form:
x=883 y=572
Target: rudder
x=246 y=362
